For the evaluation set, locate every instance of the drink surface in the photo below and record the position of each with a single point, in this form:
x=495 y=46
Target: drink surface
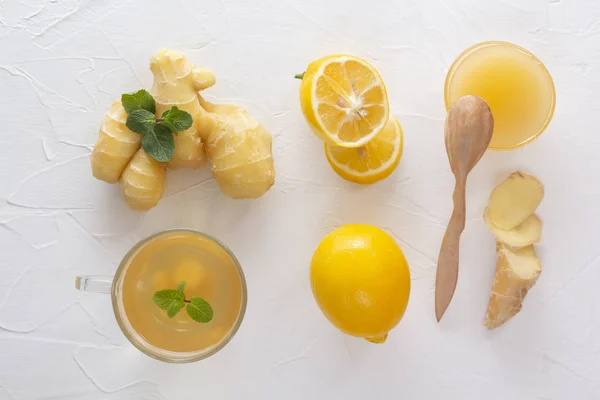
x=514 y=83
x=210 y=273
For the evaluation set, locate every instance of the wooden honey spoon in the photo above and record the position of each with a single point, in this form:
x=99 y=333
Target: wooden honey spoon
x=467 y=133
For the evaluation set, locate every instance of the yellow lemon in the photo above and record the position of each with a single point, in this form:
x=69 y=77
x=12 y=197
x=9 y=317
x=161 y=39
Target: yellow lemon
x=344 y=100
x=361 y=281
x=372 y=162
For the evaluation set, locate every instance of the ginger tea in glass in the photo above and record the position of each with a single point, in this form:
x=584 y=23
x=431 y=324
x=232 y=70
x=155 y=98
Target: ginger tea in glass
x=162 y=262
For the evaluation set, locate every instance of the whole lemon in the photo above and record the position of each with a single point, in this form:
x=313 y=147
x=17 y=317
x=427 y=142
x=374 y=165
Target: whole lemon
x=361 y=281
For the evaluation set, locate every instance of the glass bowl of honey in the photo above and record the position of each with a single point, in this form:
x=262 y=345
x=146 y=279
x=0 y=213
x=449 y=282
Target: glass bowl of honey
x=515 y=84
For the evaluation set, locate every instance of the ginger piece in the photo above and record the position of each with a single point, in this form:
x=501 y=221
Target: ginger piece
x=524 y=234
x=516 y=272
x=239 y=149
x=142 y=182
x=176 y=83
x=515 y=199
x=115 y=146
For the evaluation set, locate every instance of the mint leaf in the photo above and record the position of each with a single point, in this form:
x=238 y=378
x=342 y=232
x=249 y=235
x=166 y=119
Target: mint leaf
x=158 y=143
x=177 y=119
x=167 y=126
x=199 y=310
x=140 y=100
x=174 y=308
x=141 y=121
x=181 y=286
x=170 y=300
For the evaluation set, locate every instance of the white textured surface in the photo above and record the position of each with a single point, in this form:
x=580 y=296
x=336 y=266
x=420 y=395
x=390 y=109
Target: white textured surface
x=62 y=62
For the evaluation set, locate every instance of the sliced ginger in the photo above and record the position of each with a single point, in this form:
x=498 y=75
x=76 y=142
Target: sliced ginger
x=510 y=216
x=115 y=146
x=143 y=182
x=515 y=199
x=526 y=233
x=516 y=272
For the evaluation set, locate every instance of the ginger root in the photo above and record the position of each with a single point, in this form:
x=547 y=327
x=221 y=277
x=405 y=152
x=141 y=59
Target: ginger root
x=142 y=182
x=176 y=83
x=514 y=200
x=516 y=272
x=239 y=149
x=115 y=146
x=510 y=216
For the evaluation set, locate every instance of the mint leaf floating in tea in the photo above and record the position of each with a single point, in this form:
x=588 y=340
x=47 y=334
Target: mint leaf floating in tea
x=140 y=100
x=181 y=286
x=199 y=310
x=172 y=301
x=157 y=139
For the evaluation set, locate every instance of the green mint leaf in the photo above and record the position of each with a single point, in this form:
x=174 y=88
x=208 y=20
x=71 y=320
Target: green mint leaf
x=177 y=118
x=181 y=286
x=140 y=100
x=170 y=300
x=141 y=121
x=199 y=310
x=165 y=125
x=159 y=143
x=174 y=308
x=300 y=76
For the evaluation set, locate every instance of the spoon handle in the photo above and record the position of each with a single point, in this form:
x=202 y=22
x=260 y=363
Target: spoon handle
x=447 y=270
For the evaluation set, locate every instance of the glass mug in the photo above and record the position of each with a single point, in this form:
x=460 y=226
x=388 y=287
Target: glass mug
x=160 y=262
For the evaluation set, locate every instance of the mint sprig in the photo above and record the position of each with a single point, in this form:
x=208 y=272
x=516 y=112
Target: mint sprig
x=173 y=301
x=157 y=139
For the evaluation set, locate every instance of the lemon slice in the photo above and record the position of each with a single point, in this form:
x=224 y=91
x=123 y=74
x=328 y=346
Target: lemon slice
x=372 y=162
x=344 y=100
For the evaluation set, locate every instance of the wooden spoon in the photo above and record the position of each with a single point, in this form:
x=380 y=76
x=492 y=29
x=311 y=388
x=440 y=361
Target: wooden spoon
x=468 y=132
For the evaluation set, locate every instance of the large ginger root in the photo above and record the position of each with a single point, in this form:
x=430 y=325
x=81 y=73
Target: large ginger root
x=514 y=200
x=115 y=146
x=238 y=146
x=239 y=149
x=516 y=272
x=176 y=83
x=143 y=182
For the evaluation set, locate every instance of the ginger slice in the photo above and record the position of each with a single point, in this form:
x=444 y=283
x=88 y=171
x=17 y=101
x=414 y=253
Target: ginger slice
x=526 y=233
x=515 y=199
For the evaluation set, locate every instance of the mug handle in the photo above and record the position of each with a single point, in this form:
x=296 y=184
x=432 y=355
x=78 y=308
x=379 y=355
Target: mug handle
x=95 y=284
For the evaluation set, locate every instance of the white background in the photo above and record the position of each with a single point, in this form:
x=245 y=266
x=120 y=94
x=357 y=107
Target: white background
x=62 y=63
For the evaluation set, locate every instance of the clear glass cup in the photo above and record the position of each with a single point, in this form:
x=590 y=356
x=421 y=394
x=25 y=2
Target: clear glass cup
x=491 y=68
x=114 y=287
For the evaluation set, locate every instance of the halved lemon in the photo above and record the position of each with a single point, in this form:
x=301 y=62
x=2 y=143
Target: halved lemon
x=344 y=100
x=372 y=162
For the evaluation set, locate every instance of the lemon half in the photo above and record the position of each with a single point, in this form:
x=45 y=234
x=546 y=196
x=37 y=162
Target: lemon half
x=344 y=100
x=372 y=162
